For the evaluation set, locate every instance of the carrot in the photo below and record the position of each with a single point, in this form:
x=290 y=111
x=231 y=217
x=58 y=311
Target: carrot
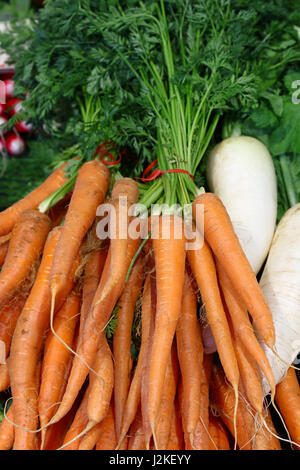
x=101 y=382
x=219 y=233
x=287 y=398
x=95 y=323
x=9 y=315
x=190 y=355
x=203 y=267
x=218 y=434
x=92 y=275
x=26 y=347
x=164 y=419
x=56 y=361
x=242 y=326
x=134 y=393
x=202 y=437
x=124 y=194
x=4 y=376
x=89 y=440
x=169 y=255
x=223 y=399
x=145 y=365
x=137 y=437
x=9 y=216
x=250 y=376
x=176 y=441
x=4 y=243
x=89 y=191
x=3 y=252
x=55 y=434
x=264 y=439
x=26 y=244
x=5 y=238
x=107 y=439
x=122 y=340
x=72 y=437
x=7 y=430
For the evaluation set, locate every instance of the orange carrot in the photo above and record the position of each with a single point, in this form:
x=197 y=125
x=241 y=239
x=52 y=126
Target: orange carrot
x=134 y=394
x=95 y=323
x=145 y=365
x=288 y=399
x=137 y=437
x=101 y=382
x=27 y=344
x=219 y=233
x=250 y=376
x=242 y=325
x=124 y=194
x=3 y=252
x=164 y=419
x=89 y=191
x=176 y=441
x=202 y=438
x=107 y=439
x=4 y=376
x=204 y=270
x=72 y=437
x=263 y=438
x=7 y=430
x=9 y=315
x=56 y=361
x=92 y=275
x=122 y=340
x=223 y=399
x=26 y=244
x=190 y=355
x=5 y=238
x=218 y=433
x=9 y=216
x=169 y=254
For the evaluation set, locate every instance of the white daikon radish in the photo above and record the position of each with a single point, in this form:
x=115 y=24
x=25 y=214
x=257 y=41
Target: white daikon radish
x=240 y=171
x=280 y=284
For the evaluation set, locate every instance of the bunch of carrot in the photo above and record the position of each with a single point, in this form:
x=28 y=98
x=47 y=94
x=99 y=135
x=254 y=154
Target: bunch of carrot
x=60 y=287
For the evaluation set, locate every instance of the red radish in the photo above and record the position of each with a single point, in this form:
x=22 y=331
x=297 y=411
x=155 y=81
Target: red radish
x=14 y=143
x=22 y=126
x=2 y=108
x=13 y=106
x=9 y=88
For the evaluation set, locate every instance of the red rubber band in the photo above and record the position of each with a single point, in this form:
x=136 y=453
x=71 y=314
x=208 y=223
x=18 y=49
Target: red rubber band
x=157 y=173
x=103 y=149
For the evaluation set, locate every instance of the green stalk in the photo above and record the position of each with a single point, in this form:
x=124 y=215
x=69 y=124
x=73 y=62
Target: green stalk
x=58 y=195
x=288 y=180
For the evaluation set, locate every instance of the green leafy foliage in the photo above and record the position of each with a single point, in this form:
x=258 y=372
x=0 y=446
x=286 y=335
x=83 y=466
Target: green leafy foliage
x=112 y=323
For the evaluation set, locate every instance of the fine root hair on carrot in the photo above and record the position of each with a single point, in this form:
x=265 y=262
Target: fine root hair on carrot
x=32 y=431
x=289 y=440
x=282 y=360
x=236 y=394
x=79 y=436
x=282 y=421
x=67 y=346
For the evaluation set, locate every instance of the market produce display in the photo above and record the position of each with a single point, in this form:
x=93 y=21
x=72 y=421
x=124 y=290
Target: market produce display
x=149 y=285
